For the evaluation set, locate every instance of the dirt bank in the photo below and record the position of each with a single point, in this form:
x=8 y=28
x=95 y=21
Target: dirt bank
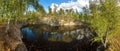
x=11 y=40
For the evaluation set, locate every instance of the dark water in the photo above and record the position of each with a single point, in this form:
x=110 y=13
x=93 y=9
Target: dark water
x=58 y=38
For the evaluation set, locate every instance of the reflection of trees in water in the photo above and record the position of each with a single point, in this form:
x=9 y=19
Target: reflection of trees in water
x=64 y=33
x=65 y=38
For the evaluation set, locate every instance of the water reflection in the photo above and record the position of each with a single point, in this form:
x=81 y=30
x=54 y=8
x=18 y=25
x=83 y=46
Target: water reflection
x=45 y=35
x=50 y=38
x=29 y=35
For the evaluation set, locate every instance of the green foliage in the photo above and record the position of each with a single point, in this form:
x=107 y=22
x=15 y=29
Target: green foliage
x=32 y=16
x=104 y=18
x=16 y=9
x=96 y=39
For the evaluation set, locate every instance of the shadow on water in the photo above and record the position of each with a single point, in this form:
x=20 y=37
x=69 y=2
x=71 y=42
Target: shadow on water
x=58 y=38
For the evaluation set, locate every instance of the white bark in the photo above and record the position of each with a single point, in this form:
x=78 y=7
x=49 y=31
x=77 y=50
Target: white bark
x=8 y=25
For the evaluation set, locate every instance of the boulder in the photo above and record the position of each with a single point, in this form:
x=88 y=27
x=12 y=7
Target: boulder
x=11 y=40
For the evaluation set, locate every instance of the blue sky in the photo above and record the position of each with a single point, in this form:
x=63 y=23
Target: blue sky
x=48 y=3
x=64 y=4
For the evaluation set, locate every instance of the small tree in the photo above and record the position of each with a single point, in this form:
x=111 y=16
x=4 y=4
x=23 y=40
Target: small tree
x=104 y=19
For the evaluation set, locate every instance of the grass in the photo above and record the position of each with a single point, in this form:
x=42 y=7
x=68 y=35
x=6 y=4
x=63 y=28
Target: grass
x=114 y=40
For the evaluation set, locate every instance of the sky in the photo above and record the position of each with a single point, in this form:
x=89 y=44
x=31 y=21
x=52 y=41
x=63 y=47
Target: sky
x=64 y=4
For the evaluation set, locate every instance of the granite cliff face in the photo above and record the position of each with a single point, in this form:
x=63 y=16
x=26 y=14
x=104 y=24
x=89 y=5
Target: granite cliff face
x=11 y=40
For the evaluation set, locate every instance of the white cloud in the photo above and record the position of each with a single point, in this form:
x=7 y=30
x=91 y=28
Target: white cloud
x=78 y=5
x=83 y=2
x=53 y=6
x=119 y=3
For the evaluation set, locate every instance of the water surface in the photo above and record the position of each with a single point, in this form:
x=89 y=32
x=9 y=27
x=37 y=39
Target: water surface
x=57 y=38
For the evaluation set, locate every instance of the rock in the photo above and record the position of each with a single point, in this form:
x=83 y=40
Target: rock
x=80 y=37
x=21 y=47
x=58 y=22
x=11 y=40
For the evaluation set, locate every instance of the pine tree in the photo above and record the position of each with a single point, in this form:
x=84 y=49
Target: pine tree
x=103 y=19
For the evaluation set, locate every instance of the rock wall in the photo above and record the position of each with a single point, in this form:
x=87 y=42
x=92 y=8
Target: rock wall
x=11 y=40
x=59 y=21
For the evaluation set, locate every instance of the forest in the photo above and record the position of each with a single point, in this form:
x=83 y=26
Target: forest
x=103 y=17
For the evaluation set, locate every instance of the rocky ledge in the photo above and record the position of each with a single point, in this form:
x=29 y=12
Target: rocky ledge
x=11 y=40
